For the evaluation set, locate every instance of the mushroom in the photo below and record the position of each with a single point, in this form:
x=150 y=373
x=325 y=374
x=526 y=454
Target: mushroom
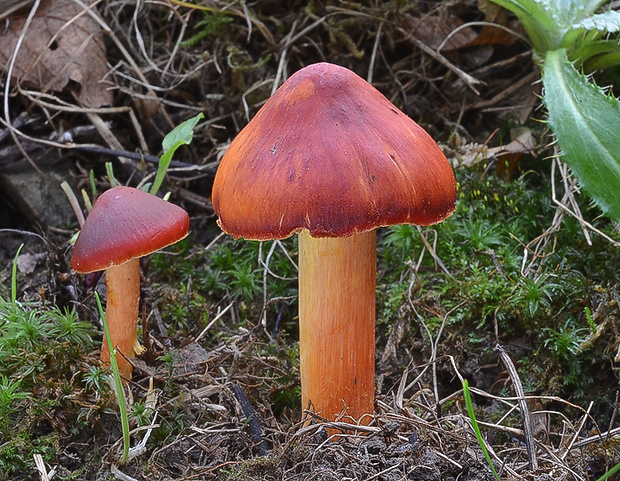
x=124 y=225
x=330 y=158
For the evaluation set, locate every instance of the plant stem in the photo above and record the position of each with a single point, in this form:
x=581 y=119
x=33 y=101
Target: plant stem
x=530 y=442
x=337 y=278
x=75 y=205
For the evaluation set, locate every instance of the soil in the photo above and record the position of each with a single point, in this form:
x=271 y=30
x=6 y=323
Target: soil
x=214 y=401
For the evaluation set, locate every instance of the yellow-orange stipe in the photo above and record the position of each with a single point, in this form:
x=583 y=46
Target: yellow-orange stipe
x=337 y=279
x=123 y=283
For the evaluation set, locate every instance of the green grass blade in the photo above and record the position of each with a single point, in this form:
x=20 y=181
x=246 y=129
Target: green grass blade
x=118 y=385
x=476 y=428
x=14 y=277
x=610 y=473
x=585 y=122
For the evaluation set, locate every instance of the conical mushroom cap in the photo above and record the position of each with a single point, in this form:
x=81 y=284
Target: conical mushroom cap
x=330 y=154
x=126 y=223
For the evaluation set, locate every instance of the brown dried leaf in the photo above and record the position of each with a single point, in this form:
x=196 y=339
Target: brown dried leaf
x=63 y=44
x=492 y=35
x=436 y=31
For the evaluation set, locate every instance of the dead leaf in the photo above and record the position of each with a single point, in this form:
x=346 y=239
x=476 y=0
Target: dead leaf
x=509 y=155
x=63 y=48
x=522 y=143
x=468 y=154
x=496 y=35
x=26 y=263
x=436 y=32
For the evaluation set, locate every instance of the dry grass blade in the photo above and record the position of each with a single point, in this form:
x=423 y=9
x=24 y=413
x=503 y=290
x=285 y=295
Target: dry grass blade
x=570 y=188
x=10 y=7
x=525 y=412
x=40 y=464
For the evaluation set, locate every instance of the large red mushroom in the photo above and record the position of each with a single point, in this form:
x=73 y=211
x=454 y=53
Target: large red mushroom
x=124 y=225
x=330 y=158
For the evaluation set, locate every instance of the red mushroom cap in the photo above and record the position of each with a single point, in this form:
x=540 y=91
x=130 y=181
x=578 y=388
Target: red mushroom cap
x=329 y=153
x=126 y=223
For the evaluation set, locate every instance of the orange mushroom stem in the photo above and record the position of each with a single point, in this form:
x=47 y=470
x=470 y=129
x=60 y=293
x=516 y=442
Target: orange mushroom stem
x=122 y=309
x=337 y=324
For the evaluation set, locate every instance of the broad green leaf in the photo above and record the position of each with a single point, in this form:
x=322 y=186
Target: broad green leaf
x=596 y=55
x=567 y=12
x=547 y=22
x=182 y=134
x=585 y=122
x=606 y=22
x=589 y=38
x=538 y=22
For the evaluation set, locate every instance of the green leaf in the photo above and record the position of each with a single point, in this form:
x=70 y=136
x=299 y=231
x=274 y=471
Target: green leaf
x=538 y=22
x=606 y=22
x=585 y=122
x=551 y=24
x=589 y=38
x=182 y=134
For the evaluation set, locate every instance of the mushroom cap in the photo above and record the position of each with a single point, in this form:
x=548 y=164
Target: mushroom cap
x=126 y=223
x=330 y=154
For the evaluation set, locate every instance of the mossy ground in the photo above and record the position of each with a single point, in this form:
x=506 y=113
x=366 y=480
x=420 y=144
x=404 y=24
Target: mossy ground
x=510 y=267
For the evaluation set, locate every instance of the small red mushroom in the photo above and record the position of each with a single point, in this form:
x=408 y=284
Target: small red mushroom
x=124 y=225
x=330 y=158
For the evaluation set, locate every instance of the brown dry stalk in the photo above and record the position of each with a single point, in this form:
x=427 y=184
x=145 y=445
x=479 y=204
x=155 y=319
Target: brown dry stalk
x=525 y=412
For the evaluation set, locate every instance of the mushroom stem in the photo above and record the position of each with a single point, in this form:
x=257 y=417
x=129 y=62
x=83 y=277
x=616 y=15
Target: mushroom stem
x=123 y=283
x=337 y=278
